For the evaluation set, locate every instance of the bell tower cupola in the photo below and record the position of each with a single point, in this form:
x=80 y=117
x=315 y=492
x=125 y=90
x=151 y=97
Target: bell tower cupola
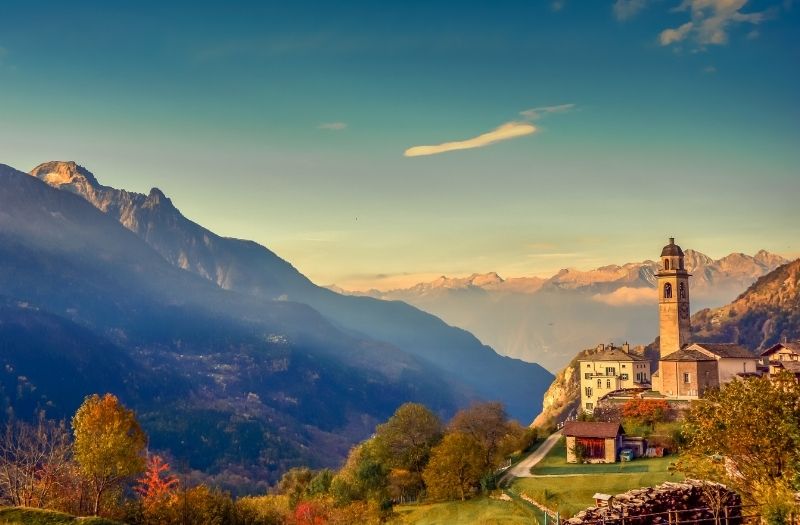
x=673 y=300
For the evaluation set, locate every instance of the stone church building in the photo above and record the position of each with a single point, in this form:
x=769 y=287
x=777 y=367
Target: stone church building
x=685 y=369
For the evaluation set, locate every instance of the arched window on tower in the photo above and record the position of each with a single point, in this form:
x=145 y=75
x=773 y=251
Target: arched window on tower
x=668 y=291
x=666 y=264
x=682 y=291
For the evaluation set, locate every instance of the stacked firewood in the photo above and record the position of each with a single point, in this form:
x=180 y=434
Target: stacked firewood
x=687 y=502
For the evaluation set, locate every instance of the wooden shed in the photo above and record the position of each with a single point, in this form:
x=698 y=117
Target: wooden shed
x=593 y=441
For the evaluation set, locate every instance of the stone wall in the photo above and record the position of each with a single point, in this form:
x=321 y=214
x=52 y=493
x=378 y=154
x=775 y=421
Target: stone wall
x=683 y=503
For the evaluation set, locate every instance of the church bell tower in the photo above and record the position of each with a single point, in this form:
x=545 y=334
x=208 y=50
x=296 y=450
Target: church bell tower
x=673 y=300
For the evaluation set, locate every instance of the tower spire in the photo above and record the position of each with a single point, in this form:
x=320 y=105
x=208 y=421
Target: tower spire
x=673 y=300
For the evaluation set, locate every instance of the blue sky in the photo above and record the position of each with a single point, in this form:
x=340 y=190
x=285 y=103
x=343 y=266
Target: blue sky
x=287 y=123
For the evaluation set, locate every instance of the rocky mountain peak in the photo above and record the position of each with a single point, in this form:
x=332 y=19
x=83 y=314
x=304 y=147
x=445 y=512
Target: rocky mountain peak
x=62 y=173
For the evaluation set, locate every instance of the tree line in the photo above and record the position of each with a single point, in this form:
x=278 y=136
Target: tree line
x=98 y=464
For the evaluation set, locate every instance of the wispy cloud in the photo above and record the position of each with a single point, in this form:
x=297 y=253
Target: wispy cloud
x=625 y=9
x=711 y=21
x=537 y=113
x=509 y=130
x=557 y=5
x=333 y=126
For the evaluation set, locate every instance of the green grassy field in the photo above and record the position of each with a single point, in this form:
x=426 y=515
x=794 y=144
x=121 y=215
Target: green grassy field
x=482 y=511
x=23 y=516
x=569 y=488
x=555 y=463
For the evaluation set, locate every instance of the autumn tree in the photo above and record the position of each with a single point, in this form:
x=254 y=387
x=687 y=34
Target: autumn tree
x=157 y=486
x=403 y=445
x=406 y=439
x=362 y=477
x=34 y=459
x=647 y=411
x=489 y=426
x=455 y=467
x=109 y=444
x=746 y=435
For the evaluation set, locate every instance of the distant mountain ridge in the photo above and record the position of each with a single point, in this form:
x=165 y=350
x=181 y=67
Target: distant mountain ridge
x=547 y=320
x=249 y=268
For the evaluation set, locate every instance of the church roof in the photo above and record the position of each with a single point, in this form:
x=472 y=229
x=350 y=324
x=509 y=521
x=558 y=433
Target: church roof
x=794 y=346
x=613 y=354
x=687 y=355
x=671 y=249
x=723 y=350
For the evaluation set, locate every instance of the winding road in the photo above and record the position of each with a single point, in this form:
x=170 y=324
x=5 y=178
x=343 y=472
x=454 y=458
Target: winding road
x=523 y=468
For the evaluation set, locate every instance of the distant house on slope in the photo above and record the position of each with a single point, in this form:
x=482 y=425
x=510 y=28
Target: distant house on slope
x=783 y=357
x=592 y=441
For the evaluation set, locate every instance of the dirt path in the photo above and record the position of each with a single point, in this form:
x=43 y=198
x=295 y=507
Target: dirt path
x=523 y=468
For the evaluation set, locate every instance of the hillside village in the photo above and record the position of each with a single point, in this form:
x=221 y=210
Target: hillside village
x=611 y=376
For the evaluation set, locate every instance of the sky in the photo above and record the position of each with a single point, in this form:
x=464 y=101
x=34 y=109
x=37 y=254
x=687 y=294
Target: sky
x=379 y=144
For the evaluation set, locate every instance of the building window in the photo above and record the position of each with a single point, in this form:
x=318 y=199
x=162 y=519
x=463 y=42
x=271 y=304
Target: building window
x=588 y=406
x=624 y=377
x=687 y=377
x=608 y=383
x=668 y=291
x=611 y=371
x=588 y=375
x=588 y=365
x=599 y=383
x=622 y=366
x=588 y=391
x=682 y=291
x=666 y=264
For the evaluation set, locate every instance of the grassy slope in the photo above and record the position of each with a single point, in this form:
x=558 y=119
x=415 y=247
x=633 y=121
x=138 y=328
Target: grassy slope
x=23 y=516
x=570 y=493
x=484 y=511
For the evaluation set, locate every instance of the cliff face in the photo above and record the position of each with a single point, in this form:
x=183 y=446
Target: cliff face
x=563 y=396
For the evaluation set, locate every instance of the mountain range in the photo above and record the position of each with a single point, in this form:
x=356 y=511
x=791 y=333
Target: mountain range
x=547 y=320
x=238 y=365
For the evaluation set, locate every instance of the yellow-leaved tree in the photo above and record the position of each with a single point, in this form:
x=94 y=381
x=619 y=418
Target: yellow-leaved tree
x=109 y=444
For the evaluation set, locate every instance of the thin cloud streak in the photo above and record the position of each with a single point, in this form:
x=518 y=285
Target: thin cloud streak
x=537 y=113
x=508 y=131
x=333 y=126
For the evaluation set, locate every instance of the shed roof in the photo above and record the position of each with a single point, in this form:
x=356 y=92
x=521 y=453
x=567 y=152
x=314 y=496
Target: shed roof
x=593 y=429
x=723 y=350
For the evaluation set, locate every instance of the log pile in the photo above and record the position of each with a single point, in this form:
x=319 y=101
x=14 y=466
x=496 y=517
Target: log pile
x=690 y=501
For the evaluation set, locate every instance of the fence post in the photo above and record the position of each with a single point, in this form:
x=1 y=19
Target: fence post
x=726 y=515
